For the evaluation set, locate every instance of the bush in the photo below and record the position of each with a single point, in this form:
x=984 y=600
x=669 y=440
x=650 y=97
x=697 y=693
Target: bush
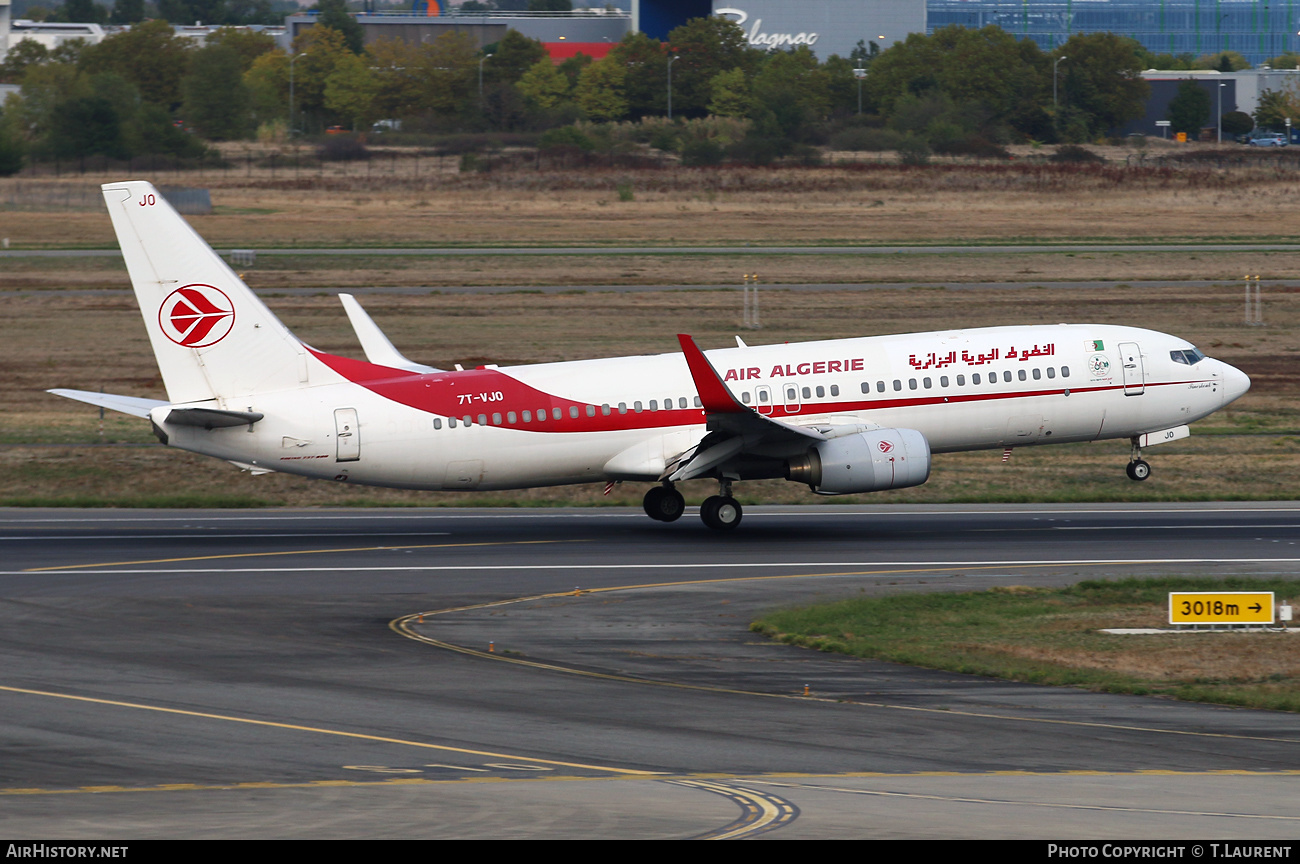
x=702 y=151
x=973 y=145
x=342 y=148
x=566 y=138
x=913 y=151
x=858 y=138
x=1075 y=153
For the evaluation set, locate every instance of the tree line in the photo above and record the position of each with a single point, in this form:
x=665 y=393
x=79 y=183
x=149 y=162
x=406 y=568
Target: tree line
x=959 y=90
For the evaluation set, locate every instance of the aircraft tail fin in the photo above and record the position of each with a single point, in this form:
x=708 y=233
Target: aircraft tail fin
x=213 y=338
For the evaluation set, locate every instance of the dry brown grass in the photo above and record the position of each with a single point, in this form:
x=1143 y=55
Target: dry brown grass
x=882 y=203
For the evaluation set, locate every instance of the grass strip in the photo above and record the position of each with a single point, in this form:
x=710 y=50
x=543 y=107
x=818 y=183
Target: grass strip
x=1052 y=636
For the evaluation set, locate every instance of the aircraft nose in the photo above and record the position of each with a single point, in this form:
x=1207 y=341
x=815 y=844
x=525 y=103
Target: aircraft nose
x=1235 y=383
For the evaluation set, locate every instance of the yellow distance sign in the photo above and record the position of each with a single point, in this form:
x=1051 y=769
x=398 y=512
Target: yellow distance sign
x=1220 y=607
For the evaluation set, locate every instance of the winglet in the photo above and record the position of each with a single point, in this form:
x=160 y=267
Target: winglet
x=714 y=395
x=374 y=343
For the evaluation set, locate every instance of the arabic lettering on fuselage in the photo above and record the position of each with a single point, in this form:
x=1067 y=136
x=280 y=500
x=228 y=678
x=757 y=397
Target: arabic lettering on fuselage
x=934 y=360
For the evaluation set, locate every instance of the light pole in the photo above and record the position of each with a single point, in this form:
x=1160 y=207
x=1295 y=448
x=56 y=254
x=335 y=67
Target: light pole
x=860 y=73
x=480 y=77
x=1055 y=63
x=1221 y=86
x=671 y=61
x=292 y=60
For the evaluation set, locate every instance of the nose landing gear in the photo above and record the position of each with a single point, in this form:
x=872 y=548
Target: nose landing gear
x=1137 y=468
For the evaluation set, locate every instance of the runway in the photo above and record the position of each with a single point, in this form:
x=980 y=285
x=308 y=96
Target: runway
x=590 y=673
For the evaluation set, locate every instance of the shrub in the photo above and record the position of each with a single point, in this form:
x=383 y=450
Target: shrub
x=913 y=151
x=859 y=138
x=342 y=148
x=1075 y=153
x=702 y=151
x=565 y=138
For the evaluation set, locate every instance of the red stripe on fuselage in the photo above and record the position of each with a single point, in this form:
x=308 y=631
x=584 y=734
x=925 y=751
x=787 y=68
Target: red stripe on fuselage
x=445 y=394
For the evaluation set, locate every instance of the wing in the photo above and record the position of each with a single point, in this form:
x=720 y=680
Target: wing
x=734 y=429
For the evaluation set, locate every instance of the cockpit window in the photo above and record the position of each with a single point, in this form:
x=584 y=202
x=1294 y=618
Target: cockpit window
x=1188 y=357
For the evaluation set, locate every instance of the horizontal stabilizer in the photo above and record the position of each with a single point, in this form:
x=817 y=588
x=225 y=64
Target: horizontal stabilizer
x=132 y=405
x=212 y=418
x=378 y=349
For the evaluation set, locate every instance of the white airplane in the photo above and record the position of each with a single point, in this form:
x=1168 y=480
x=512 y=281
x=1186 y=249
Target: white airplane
x=842 y=416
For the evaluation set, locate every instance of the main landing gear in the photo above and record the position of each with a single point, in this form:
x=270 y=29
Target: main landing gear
x=1137 y=468
x=720 y=512
x=664 y=503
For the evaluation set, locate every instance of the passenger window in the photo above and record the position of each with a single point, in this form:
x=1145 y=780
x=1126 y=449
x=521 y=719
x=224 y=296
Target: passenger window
x=636 y=406
x=835 y=389
x=1051 y=373
x=511 y=418
x=911 y=383
x=943 y=380
x=807 y=393
x=654 y=404
x=496 y=419
x=961 y=381
x=821 y=392
x=698 y=403
x=1020 y=373
x=437 y=422
x=1038 y=373
x=880 y=386
x=1006 y=376
x=591 y=410
x=866 y=387
x=1065 y=371
x=605 y=409
x=681 y=403
x=926 y=382
x=622 y=408
x=898 y=385
x=451 y=422
x=467 y=421
x=744 y=397
x=482 y=419
x=557 y=415
x=975 y=378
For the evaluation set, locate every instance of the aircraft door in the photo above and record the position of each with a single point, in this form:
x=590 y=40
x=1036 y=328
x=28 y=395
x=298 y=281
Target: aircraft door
x=791 y=391
x=763 y=399
x=347 y=433
x=1130 y=356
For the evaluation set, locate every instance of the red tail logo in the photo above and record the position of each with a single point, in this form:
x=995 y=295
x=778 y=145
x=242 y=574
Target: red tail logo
x=196 y=316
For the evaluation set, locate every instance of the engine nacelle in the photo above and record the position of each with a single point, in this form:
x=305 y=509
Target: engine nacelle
x=864 y=462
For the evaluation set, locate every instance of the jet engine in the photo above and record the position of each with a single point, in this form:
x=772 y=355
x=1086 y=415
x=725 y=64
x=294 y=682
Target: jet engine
x=864 y=462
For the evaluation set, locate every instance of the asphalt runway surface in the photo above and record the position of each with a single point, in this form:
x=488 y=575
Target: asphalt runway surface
x=590 y=673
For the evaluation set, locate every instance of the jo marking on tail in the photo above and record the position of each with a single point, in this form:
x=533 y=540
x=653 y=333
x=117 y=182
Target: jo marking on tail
x=842 y=416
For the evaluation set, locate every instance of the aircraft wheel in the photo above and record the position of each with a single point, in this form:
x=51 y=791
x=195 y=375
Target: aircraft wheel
x=721 y=513
x=1138 y=470
x=664 y=504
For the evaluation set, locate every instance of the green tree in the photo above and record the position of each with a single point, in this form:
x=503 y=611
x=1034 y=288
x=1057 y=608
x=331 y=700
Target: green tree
x=1189 y=110
x=26 y=52
x=1102 y=80
x=705 y=47
x=13 y=150
x=1277 y=105
x=334 y=14
x=731 y=94
x=217 y=103
x=511 y=58
x=87 y=126
x=1223 y=61
x=1286 y=60
x=127 y=12
x=646 y=85
x=1237 y=123
x=82 y=12
x=247 y=44
x=350 y=92
x=600 y=90
x=1008 y=79
x=544 y=85
x=149 y=55
x=550 y=5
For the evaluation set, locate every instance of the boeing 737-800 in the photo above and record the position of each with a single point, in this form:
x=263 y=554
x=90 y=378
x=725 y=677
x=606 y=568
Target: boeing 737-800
x=841 y=416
